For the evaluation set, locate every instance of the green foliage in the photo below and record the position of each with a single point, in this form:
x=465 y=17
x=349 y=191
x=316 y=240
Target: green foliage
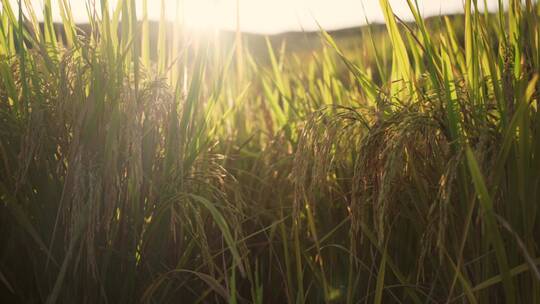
x=405 y=169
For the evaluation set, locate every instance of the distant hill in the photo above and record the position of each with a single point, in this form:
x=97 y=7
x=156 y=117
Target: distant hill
x=303 y=42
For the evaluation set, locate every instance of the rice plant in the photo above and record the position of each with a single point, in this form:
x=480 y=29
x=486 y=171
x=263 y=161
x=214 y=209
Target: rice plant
x=401 y=167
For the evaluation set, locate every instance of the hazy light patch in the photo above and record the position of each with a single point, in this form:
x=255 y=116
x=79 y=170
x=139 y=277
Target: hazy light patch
x=203 y=14
x=271 y=16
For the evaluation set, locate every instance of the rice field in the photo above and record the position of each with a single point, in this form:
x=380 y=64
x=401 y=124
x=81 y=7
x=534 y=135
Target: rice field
x=400 y=168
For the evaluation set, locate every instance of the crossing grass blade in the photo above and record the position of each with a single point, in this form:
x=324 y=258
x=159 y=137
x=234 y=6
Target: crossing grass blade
x=492 y=229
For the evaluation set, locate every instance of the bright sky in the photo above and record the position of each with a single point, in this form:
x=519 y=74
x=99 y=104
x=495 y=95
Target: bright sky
x=272 y=16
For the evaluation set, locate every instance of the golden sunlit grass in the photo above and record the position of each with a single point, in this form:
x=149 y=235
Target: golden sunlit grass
x=136 y=168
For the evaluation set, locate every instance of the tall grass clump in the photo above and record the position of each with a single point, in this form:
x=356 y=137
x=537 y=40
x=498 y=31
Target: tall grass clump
x=406 y=169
